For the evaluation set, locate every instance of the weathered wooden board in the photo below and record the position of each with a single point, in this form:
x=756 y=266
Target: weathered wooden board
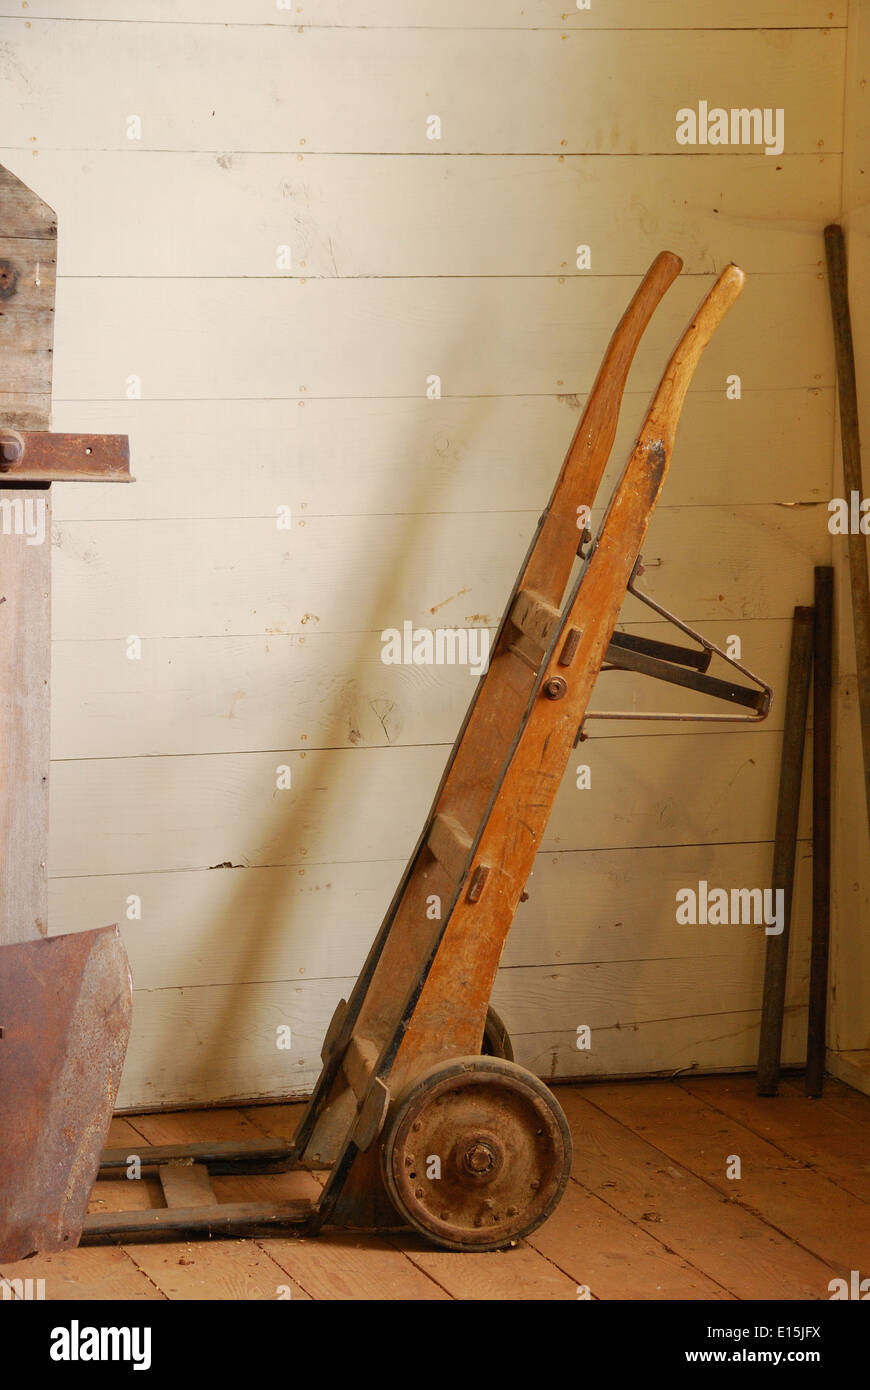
x=144 y=815
x=848 y=1014
x=382 y=87
x=317 y=922
x=236 y=338
x=240 y=694
x=229 y=577
x=484 y=14
x=214 y=1041
x=420 y=455
x=28 y=243
x=371 y=215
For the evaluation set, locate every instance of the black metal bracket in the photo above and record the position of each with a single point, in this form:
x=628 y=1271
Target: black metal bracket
x=683 y=666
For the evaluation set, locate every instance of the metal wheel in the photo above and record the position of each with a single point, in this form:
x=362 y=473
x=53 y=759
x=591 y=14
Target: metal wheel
x=496 y=1039
x=478 y=1153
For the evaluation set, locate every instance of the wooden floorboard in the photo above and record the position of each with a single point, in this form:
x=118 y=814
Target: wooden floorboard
x=621 y=1156
x=650 y=1211
x=800 y=1127
x=807 y=1212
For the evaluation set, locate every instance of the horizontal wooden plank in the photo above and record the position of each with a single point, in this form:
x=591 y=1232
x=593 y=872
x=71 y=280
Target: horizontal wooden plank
x=146 y=815
x=369 y=215
x=363 y=576
x=418 y=455
x=382 y=87
x=242 y=694
x=317 y=922
x=208 y=339
x=484 y=14
x=219 y=1042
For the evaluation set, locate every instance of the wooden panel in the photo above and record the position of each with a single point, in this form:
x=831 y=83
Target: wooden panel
x=208 y=338
x=28 y=239
x=486 y=14
x=150 y=814
x=408 y=459
x=351 y=215
x=244 y=577
x=642 y=1014
x=848 y=1012
x=381 y=87
x=317 y=922
x=239 y=694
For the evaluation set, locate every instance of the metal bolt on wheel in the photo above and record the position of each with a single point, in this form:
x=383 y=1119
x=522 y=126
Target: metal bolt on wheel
x=478 y=1153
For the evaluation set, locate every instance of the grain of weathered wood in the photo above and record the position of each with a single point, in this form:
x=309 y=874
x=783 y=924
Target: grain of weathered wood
x=800 y=1126
x=615 y=1258
x=205 y=338
x=486 y=14
x=240 y=694
x=28 y=240
x=415 y=455
x=804 y=1205
x=839 y=1097
x=354 y=1267
x=521 y=1274
x=374 y=100
x=635 y=1169
x=349 y=215
x=227 y=809
x=590 y=906
x=244 y=577
x=95 y=1273
x=238 y=1269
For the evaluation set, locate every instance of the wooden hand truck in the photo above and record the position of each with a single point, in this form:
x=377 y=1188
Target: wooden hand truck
x=414 y=1125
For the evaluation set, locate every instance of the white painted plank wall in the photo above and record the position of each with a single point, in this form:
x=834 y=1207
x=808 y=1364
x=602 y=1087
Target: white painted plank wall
x=305 y=387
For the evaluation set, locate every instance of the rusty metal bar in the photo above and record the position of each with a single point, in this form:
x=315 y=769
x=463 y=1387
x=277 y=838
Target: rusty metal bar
x=784 y=848
x=823 y=653
x=39 y=456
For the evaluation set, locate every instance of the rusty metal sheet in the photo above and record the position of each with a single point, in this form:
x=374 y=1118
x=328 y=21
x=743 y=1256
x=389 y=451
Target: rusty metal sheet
x=40 y=456
x=65 y=1009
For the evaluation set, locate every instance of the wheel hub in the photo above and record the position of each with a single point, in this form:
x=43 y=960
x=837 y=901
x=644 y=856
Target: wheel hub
x=478 y=1154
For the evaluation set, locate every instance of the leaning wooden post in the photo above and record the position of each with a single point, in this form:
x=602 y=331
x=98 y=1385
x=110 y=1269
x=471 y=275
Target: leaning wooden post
x=847 y=390
x=64 y=1001
x=785 y=847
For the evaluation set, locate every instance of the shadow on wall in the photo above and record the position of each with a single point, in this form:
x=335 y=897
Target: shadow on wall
x=219 y=1044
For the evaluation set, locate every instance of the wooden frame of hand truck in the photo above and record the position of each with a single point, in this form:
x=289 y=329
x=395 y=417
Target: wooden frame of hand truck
x=420 y=1117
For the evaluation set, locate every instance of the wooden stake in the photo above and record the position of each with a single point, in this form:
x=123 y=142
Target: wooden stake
x=823 y=651
x=784 y=849
x=851 y=447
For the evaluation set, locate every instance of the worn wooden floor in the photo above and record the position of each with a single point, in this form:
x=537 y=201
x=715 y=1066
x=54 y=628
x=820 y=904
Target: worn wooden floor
x=650 y=1212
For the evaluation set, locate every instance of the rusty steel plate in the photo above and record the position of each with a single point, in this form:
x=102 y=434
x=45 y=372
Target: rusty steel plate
x=478 y=1153
x=40 y=456
x=65 y=1010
